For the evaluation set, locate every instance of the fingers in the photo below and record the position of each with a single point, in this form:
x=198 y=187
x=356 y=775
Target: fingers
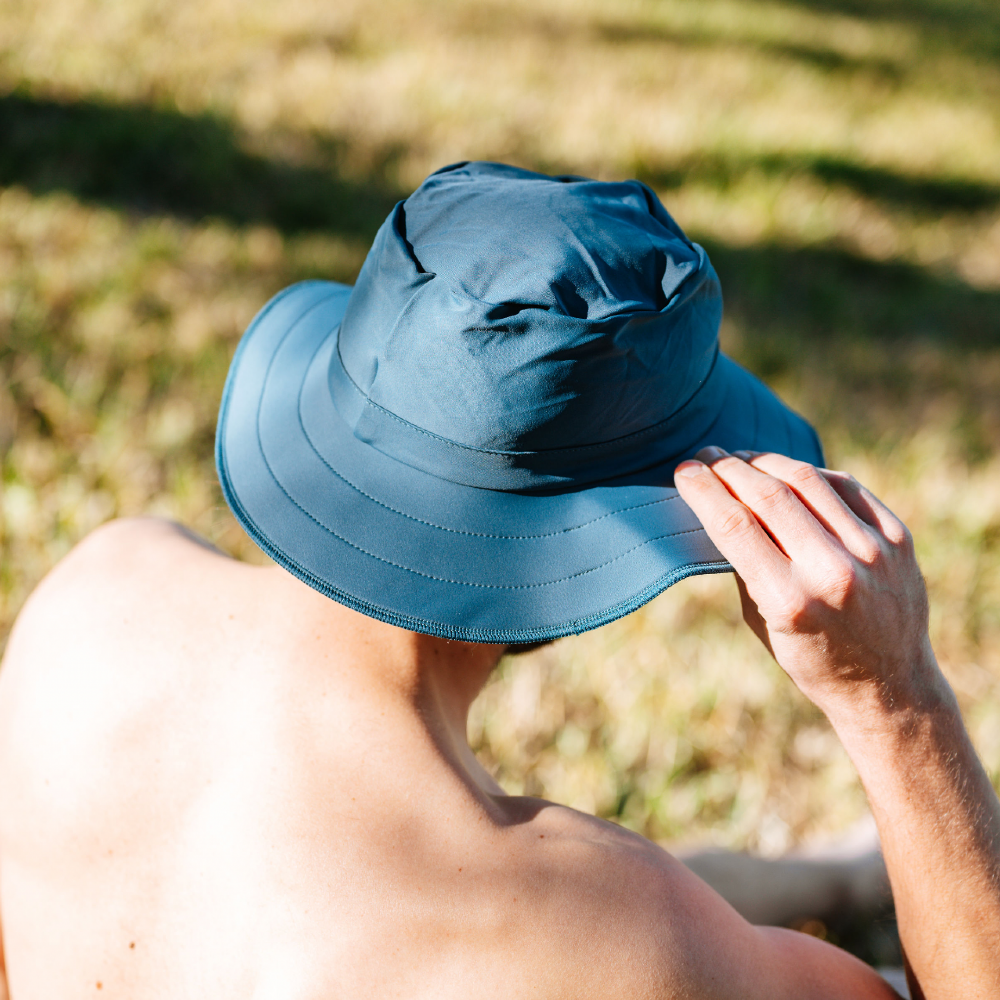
x=867 y=506
x=776 y=506
x=730 y=524
x=849 y=512
x=816 y=490
x=766 y=513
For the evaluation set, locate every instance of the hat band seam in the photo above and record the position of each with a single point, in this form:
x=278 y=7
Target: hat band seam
x=599 y=445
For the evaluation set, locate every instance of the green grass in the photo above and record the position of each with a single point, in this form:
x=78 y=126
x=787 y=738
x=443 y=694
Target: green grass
x=165 y=168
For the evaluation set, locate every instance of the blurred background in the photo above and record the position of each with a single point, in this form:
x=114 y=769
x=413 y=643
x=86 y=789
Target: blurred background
x=167 y=165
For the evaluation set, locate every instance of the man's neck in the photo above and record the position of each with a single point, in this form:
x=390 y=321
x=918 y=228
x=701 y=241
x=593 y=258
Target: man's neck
x=436 y=679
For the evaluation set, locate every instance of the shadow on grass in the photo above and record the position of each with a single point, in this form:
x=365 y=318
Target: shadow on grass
x=916 y=194
x=144 y=158
x=828 y=295
x=490 y=21
x=824 y=59
x=969 y=26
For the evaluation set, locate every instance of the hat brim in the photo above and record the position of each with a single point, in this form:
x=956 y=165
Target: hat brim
x=433 y=556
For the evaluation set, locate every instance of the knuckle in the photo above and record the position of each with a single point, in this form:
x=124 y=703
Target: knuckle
x=804 y=607
x=794 y=611
x=898 y=535
x=840 y=581
x=773 y=496
x=805 y=477
x=869 y=551
x=846 y=483
x=737 y=522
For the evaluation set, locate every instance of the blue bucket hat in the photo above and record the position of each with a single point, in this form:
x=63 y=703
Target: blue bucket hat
x=478 y=440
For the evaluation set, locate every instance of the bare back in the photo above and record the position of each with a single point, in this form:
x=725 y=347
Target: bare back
x=208 y=789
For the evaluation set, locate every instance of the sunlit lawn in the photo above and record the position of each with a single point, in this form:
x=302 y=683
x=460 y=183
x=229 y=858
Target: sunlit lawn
x=166 y=167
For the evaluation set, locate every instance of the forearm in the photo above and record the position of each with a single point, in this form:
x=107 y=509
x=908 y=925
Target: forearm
x=832 y=587
x=939 y=821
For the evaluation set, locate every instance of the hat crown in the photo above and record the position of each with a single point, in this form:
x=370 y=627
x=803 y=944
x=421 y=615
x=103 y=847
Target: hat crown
x=531 y=323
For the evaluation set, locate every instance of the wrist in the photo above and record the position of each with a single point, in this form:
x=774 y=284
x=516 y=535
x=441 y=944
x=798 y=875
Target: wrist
x=880 y=711
x=882 y=690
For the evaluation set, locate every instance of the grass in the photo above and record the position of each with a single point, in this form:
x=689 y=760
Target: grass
x=165 y=168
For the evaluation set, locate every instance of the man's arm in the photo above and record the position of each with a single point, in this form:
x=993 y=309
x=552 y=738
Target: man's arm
x=830 y=584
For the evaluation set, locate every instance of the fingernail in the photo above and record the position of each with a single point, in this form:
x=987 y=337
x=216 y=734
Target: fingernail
x=688 y=469
x=711 y=453
x=743 y=454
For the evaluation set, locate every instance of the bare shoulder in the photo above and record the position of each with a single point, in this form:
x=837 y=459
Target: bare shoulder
x=118 y=578
x=114 y=608
x=98 y=664
x=648 y=927
x=116 y=566
x=120 y=553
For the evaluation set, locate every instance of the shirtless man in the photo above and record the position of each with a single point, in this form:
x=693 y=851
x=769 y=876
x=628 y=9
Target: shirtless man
x=218 y=782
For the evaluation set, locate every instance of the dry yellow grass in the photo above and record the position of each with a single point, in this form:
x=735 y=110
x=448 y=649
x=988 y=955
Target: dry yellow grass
x=841 y=161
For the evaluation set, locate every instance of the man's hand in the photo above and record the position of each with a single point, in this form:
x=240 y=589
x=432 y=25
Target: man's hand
x=830 y=584
x=826 y=572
